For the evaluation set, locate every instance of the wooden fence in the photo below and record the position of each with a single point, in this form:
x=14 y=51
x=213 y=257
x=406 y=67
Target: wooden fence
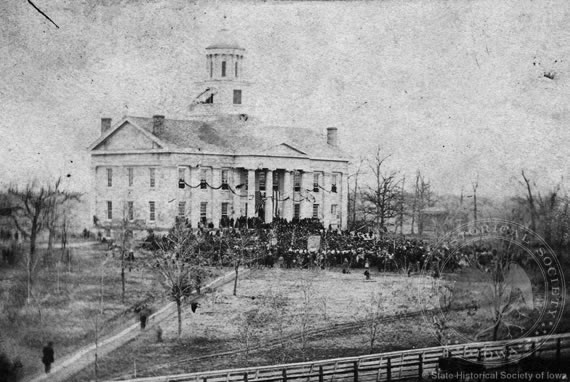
x=398 y=365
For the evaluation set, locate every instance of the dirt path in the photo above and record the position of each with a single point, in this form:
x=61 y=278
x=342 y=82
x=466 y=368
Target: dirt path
x=65 y=368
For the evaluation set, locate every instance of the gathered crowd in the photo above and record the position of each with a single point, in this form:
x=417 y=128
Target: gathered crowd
x=306 y=244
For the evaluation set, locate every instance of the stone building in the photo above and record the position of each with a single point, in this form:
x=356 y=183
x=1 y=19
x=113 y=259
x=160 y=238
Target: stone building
x=218 y=164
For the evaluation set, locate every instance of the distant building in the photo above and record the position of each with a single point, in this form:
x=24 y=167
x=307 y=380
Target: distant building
x=219 y=164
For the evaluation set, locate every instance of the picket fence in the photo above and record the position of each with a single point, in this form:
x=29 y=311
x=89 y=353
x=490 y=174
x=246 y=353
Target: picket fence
x=392 y=366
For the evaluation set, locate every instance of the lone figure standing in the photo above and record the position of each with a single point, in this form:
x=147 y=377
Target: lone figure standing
x=47 y=358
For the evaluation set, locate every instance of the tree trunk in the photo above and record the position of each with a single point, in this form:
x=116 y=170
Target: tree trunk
x=30 y=264
x=123 y=284
x=179 y=310
x=48 y=254
x=123 y=276
x=236 y=280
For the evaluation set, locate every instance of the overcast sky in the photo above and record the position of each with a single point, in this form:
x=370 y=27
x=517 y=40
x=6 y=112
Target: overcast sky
x=452 y=88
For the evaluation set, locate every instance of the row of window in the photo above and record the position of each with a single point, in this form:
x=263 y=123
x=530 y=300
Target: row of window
x=204 y=209
x=131 y=177
x=224 y=69
x=225 y=174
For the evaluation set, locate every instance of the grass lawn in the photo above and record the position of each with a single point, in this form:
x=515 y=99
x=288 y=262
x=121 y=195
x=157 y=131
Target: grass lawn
x=328 y=306
x=295 y=315
x=66 y=302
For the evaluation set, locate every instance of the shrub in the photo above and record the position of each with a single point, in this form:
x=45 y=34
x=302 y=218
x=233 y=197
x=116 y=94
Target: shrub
x=10 y=369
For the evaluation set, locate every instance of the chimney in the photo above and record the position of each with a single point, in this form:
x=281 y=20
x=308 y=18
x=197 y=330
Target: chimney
x=332 y=136
x=157 y=124
x=105 y=125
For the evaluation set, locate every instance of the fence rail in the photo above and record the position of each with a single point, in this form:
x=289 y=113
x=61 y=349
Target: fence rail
x=388 y=367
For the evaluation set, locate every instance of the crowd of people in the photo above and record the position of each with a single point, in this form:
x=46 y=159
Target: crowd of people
x=288 y=245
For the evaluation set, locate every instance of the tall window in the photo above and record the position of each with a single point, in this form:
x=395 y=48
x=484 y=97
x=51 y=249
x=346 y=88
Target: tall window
x=181 y=209
x=181 y=174
x=225 y=210
x=236 y=69
x=333 y=183
x=261 y=181
x=152 y=173
x=203 y=212
x=225 y=180
x=131 y=175
x=211 y=67
x=109 y=177
x=297 y=211
x=237 y=97
x=203 y=178
x=334 y=208
x=223 y=68
x=297 y=181
x=109 y=210
x=130 y=210
x=275 y=181
x=315 y=211
x=316 y=182
x=152 y=211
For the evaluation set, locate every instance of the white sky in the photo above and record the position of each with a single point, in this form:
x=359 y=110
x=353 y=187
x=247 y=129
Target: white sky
x=453 y=88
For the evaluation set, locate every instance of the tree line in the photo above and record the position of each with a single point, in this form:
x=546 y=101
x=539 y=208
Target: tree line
x=383 y=200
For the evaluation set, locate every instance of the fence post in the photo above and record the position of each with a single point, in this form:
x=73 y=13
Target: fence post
x=479 y=355
x=388 y=370
x=244 y=377
x=284 y=375
x=355 y=371
x=420 y=366
x=506 y=353
x=321 y=377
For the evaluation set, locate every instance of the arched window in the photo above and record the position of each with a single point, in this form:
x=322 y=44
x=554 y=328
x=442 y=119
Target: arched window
x=223 y=68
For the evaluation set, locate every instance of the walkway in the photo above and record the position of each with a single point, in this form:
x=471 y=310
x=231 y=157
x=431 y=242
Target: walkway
x=73 y=363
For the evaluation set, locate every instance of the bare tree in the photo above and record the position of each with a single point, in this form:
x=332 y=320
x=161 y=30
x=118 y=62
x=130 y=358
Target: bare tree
x=475 y=185
x=353 y=195
x=124 y=242
x=548 y=212
x=423 y=198
x=531 y=203
x=384 y=194
x=179 y=265
x=38 y=208
x=249 y=324
x=279 y=313
x=371 y=316
x=240 y=250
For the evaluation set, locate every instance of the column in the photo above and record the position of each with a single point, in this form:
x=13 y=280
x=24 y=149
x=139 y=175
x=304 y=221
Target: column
x=194 y=198
x=288 y=195
x=236 y=200
x=250 y=193
x=306 y=192
x=216 y=197
x=343 y=181
x=326 y=199
x=269 y=195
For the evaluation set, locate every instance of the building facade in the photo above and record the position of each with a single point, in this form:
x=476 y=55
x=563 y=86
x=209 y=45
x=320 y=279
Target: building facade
x=219 y=164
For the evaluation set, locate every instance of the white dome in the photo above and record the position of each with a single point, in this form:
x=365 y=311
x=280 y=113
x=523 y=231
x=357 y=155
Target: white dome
x=224 y=40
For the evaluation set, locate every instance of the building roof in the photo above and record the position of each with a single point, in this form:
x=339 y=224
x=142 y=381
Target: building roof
x=229 y=135
x=224 y=40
